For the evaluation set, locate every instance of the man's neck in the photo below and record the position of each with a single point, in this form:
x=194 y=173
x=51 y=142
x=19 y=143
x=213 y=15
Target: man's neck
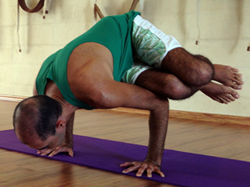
x=53 y=91
x=68 y=109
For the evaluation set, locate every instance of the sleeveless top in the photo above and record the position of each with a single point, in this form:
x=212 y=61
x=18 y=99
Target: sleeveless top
x=114 y=32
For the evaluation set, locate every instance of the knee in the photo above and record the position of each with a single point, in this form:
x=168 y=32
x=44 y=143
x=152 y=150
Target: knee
x=179 y=93
x=202 y=73
x=205 y=75
x=175 y=89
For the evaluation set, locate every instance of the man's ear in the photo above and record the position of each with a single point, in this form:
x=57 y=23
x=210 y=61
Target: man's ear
x=60 y=124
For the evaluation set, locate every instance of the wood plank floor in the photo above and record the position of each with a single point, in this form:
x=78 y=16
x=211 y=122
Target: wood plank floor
x=215 y=139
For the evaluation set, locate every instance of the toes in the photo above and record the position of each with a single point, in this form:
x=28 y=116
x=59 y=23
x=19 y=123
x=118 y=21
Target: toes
x=235 y=95
x=226 y=98
x=217 y=99
x=229 y=98
x=236 y=86
x=237 y=80
x=235 y=70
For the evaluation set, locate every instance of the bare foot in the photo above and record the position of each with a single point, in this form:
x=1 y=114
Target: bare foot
x=228 y=76
x=221 y=93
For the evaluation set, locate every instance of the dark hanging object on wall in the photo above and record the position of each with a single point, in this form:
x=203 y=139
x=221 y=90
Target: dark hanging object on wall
x=37 y=8
x=134 y=3
x=98 y=11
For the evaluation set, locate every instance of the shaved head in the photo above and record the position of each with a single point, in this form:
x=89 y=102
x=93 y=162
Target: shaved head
x=36 y=116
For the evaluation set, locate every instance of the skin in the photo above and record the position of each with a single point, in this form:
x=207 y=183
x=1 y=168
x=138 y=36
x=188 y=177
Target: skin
x=90 y=78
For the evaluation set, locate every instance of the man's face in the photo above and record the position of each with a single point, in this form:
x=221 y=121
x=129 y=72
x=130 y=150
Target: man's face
x=36 y=143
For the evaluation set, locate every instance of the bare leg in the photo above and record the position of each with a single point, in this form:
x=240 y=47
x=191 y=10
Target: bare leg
x=164 y=84
x=191 y=70
x=181 y=75
x=169 y=86
x=185 y=70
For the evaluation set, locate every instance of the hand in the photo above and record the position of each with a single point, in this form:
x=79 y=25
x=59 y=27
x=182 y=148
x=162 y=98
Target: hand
x=65 y=148
x=148 y=166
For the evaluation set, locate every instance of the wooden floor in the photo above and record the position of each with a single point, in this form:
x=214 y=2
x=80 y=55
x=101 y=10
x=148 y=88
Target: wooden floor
x=222 y=140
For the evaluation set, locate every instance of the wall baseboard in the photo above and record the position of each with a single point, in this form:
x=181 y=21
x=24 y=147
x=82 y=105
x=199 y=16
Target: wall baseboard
x=11 y=98
x=218 y=118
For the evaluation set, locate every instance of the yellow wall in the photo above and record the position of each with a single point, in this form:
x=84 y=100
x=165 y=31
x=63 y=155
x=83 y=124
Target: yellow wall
x=224 y=37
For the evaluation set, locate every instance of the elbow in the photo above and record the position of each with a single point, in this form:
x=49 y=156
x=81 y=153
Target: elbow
x=101 y=100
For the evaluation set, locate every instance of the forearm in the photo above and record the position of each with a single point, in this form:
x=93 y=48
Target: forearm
x=131 y=96
x=158 y=124
x=69 y=131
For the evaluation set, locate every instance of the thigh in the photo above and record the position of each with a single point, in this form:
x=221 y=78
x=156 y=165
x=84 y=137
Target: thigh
x=151 y=44
x=179 y=60
x=190 y=69
x=163 y=84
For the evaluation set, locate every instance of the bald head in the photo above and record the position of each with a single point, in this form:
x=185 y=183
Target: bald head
x=36 y=116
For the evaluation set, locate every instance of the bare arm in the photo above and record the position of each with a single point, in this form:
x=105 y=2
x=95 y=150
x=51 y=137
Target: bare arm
x=116 y=94
x=91 y=81
x=67 y=145
x=69 y=131
x=158 y=124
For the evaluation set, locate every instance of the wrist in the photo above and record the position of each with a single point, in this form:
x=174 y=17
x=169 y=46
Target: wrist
x=155 y=162
x=68 y=144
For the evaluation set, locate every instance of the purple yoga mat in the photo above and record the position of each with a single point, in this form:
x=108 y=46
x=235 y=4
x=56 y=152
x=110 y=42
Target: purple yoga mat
x=180 y=168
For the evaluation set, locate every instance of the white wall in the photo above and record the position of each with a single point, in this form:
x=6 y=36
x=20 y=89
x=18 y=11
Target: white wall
x=224 y=37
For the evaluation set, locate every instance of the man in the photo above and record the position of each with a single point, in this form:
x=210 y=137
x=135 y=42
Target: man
x=95 y=71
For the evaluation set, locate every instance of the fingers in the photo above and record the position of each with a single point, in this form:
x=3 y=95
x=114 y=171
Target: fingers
x=56 y=151
x=59 y=149
x=149 y=172
x=159 y=172
x=62 y=149
x=133 y=166
x=127 y=164
x=44 y=151
x=142 y=167
x=71 y=153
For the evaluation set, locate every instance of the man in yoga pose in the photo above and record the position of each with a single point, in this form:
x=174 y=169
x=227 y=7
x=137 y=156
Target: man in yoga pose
x=96 y=71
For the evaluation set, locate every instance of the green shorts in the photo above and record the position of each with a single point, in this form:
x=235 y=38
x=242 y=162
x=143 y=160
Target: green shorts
x=151 y=46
